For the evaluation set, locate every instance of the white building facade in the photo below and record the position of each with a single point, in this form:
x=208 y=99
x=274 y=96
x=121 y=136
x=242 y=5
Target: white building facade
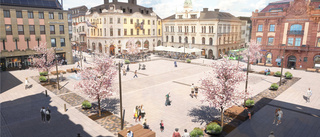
x=214 y=32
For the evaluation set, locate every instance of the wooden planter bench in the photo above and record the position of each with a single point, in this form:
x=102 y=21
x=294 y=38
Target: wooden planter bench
x=138 y=131
x=311 y=70
x=59 y=72
x=269 y=65
x=72 y=70
x=262 y=72
x=261 y=64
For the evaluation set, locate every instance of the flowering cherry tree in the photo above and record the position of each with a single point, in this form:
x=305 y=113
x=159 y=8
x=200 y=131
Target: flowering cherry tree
x=97 y=81
x=219 y=85
x=132 y=48
x=45 y=60
x=252 y=53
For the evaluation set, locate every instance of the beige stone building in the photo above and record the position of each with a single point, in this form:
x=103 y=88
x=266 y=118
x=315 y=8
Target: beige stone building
x=25 y=25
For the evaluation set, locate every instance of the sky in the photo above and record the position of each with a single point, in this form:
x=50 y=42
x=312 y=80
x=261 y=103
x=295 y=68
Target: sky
x=165 y=8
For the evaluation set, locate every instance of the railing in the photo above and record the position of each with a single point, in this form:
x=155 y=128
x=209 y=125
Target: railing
x=295 y=32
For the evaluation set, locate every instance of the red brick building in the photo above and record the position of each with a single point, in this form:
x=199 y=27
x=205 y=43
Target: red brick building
x=292 y=26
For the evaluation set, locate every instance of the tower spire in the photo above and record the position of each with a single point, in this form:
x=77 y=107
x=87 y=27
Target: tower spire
x=187 y=5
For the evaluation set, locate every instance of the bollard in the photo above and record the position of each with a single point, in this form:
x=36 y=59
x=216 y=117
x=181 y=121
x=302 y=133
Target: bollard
x=65 y=108
x=78 y=135
x=46 y=93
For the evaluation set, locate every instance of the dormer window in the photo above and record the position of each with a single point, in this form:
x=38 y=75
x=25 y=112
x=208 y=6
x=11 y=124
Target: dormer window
x=141 y=11
x=147 y=12
x=124 y=10
x=130 y=10
x=193 y=16
x=180 y=16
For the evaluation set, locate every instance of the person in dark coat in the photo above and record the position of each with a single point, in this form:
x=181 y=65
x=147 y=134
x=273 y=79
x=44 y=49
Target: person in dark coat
x=168 y=102
x=128 y=69
x=43 y=114
x=48 y=114
x=175 y=64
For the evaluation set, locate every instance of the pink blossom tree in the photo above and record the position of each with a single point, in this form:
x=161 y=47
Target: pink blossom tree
x=132 y=48
x=44 y=60
x=220 y=85
x=97 y=81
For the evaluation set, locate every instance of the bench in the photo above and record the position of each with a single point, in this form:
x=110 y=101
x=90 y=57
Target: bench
x=72 y=70
x=60 y=71
x=269 y=65
x=311 y=70
x=261 y=64
x=319 y=70
x=262 y=72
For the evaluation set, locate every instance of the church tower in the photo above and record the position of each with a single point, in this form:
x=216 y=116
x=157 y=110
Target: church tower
x=187 y=5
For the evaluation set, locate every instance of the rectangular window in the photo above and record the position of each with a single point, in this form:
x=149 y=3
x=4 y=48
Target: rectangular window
x=272 y=28
x=42 y=29
x=62 y=42
x=148 y=22
x=259 y=40
x=30 y=14
x=51 y=15
x=105 y=32
x=60 y=16
x=111 y=32
x=6 y=13
x=270 y=41
x=131 y=21
x=100 y=32
x=119 y=21
x=260 y=27
x=148 y=31
x=111 y=20
x=125 y=21
x=125 y=32
x=305 y=59
x=119 y=32
x=159 y=32
x=20 y=30
x=41 y=15
x=61 y=28
x=298 y=42
x=19 y=14
x=154 y=32
x=290 y=41
x=31 y=29
x=318 y=44
x=131 y=31
x=53 y=42
x=137 y=31
x=52 y=29
x=153 y=22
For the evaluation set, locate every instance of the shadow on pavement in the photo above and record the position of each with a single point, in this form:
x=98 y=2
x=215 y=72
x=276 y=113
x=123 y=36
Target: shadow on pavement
x=204 y=114
x=22 y=117
x=8 y=81
x=111 y=105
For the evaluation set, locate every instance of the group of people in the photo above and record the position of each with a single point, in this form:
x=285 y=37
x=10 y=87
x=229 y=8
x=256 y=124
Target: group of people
x=278 y=114
x=177 y=134
x=194 y=91
x=45 y=114
x=267 y=72
x=139 y=113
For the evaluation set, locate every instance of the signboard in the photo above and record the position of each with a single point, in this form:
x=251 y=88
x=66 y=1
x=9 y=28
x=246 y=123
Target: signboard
x=317 y=65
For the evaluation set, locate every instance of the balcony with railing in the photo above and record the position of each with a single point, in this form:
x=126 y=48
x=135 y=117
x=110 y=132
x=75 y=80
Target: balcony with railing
x=295 y=32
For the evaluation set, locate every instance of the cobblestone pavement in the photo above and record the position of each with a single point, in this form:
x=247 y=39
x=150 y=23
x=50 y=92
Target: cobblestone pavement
x=72 y=98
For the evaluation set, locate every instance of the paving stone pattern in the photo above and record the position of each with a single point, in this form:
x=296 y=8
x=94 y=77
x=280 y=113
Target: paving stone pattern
x=73 y=99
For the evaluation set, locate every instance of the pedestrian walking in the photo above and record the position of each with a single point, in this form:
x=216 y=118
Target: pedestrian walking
x=26 y=82
x=309 y=93
x=143 y=113
x=275 y=117
x=139 y=113
x=161 y=126
x=128 y=69
x=192 y=90
x=135 y=74
x=196 y=91
x=271 y=134
x=175 y=64
x=280 y=115
x=139 y=66
x=176 y=133
x=78 y=66
x=43 y=114
x=186 y=134
x=136 y=113
x=48 y=114
x=85 y=60
x=168 y=102
x=248 y=112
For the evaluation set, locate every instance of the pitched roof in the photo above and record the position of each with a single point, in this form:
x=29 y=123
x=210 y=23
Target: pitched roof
x=285 y=4
x=210 y=15
x=51 y=4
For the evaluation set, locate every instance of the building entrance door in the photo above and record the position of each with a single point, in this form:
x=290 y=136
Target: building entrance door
x=112 y=50
x=292 y=62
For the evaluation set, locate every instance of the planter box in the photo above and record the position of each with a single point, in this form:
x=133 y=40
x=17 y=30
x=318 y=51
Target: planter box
x=311 y=70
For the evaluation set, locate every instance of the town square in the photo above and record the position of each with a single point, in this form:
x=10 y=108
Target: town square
x=118 y=69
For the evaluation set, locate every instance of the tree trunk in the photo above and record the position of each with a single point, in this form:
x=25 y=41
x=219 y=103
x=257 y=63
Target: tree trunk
x=221 y=117
x=48 y=76
x=99 y=107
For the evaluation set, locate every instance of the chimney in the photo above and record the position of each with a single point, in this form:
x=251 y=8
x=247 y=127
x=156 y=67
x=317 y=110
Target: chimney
x=106 y=1
x=134 y=2
x=216 y=10
x=62 y=4
x=205 y=9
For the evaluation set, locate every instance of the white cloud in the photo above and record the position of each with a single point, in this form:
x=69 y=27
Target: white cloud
x=165 y=8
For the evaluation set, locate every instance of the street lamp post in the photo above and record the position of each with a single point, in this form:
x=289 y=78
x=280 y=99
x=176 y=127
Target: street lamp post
x=284 y=51
x=55 y=55
x=120 y=89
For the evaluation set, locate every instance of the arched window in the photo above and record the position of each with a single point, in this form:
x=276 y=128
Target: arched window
x=193 y=40
x=296 y=27
x=186 y=39
x=167 y=38
x=203 y=41
x=93 y=46
x=210 y=41
x=172 y=39
x=268 y=58
x=179 y=39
